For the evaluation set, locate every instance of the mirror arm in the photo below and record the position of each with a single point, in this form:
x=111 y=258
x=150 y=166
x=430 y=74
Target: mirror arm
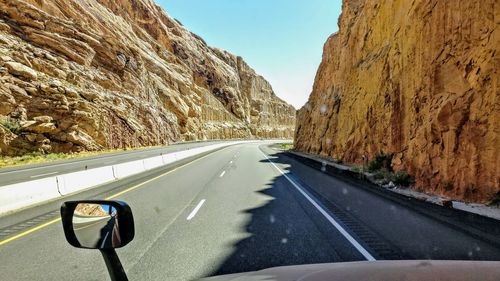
x=114 y=265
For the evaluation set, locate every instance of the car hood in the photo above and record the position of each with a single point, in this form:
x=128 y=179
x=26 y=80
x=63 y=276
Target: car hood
x=374 y=271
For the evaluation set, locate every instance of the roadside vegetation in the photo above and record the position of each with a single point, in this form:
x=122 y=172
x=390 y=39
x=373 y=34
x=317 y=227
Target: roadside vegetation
x=495 y=200
x=380 y=167
x=381 y=161
x=286 y=146
x=11 y=124
x=34 y=157
x=400 y=178
x=357 y=169
x=382 y=170
x=39 y=157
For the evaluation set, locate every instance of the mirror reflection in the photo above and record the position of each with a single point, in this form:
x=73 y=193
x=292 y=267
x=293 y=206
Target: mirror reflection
x=96 y=226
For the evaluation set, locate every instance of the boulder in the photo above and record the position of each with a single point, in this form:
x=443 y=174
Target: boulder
x=39 y=127
x=22 y=70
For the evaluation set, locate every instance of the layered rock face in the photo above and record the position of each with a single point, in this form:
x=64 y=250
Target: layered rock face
x=415 y=79
x=91 y=74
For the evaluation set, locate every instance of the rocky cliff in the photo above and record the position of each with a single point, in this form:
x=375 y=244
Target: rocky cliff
x=416 y=80
x=91 y=74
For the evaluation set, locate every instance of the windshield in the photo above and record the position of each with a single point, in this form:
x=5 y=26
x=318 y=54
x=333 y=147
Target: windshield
x=246 y=135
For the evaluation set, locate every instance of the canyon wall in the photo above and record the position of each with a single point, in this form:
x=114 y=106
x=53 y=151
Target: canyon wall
x=91 y=74
x=415 y=79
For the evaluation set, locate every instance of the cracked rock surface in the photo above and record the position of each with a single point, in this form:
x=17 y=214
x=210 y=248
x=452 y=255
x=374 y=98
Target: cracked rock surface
x=417 y=80
x=91 y=74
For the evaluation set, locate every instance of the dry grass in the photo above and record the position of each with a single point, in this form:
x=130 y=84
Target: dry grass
x=38 y=157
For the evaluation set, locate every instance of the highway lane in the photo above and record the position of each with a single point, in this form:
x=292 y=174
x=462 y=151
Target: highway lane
x=94 y=232
x=23 y=173
x=393 y=229
x=233 y=210
x=168 y=246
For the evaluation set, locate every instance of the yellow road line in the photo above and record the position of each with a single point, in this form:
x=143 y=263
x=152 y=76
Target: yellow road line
x=3 y=242
x=31 y=230
x=155 y=178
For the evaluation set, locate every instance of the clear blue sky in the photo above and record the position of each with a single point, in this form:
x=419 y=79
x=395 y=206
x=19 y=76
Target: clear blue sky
x=281 y=39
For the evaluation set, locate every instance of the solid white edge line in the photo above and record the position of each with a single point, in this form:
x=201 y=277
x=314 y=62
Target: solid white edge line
x=196 y=209
x=41 y=175
x=222 y=174
x=344 y=233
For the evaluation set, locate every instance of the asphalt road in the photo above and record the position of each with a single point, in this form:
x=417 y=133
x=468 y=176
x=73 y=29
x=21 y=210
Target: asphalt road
x=23 y=173
x=242 y=208
x=94 y=232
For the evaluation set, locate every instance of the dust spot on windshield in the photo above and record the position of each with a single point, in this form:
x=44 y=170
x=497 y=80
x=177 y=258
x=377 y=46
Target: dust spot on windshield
x=272 y=219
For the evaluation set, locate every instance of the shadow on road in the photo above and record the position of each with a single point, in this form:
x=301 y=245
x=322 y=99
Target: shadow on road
x=282 y=233
x=287 y=230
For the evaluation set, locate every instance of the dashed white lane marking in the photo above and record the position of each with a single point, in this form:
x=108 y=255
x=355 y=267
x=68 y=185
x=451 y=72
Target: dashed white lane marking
x=346 y=235
x=196 y=209
x=41 y=175
x=222 y=174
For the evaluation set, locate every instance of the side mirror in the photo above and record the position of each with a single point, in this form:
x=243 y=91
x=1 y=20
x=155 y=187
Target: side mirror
x=97 y=224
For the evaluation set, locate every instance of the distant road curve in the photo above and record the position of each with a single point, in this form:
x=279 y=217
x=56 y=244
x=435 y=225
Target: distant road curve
x=23 y=173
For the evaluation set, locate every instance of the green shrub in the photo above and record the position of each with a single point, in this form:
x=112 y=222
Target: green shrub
x=11 y=124
x=286 y=146
x=382 y=174
x=402 y=178
x=495 y=200
x=357 y=169
x=380 y=161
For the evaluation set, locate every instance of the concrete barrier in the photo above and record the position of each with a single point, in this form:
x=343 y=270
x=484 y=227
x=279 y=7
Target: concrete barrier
x=77 y=181
x=187 y=153
x=170 y=158
x=128 y=168
x=20 y=195
x=153 y=162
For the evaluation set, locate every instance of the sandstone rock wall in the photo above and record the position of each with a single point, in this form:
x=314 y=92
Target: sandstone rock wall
x=91 y=74
x=416 y=79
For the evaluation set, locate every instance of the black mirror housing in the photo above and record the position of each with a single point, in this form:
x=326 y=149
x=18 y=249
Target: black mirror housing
x=97 y=224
